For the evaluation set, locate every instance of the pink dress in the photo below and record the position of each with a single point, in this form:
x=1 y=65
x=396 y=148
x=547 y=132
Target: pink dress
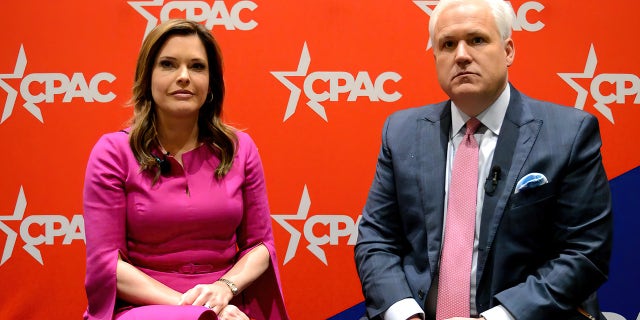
x=187 y=229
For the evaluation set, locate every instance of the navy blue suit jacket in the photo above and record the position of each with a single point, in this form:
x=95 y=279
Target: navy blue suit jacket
x=543 y=252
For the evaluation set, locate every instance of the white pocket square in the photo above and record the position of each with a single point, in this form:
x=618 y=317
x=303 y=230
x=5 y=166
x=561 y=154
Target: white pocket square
x=531 y=180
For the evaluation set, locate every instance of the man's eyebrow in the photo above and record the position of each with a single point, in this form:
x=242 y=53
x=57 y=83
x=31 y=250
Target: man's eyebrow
x=473 y=32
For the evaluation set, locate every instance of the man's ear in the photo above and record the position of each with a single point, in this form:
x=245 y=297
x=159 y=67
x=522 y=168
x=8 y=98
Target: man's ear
x=510 y=51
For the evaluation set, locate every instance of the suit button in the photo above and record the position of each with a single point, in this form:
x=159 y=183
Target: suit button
x=420 y=294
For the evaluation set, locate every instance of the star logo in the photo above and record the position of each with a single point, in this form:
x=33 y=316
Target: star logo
x=303 y=67
x=588 y=73
x=18 y=213
x=152 y=21
x=333 y=227
x=427 y=7
x=50 y=227
x=12 y=94
x=301 y=215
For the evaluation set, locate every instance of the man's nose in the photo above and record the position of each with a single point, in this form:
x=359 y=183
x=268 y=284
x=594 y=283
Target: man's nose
x=462 y=52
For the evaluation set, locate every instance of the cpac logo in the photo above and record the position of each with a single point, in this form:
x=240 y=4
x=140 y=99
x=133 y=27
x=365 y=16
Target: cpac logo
x=49 y=85
x=624 y=84
x=216 y=14
x=336 y=83
x=339 y=226
x=53 y=226
x=521 y=22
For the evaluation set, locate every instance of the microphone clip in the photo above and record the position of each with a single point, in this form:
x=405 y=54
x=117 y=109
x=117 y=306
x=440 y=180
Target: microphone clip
x=491 y=183
x=163 y=164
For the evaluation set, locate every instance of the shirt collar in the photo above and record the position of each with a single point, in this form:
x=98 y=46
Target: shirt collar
x=491 y=117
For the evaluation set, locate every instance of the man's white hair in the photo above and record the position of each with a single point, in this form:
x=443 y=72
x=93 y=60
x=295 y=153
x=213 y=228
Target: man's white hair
x=500 y=9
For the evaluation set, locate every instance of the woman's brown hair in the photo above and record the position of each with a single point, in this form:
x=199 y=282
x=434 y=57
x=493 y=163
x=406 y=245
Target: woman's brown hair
x=211 y=130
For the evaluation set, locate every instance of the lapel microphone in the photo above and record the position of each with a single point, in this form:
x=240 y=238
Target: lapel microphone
x=492 y=180
x=163 y=164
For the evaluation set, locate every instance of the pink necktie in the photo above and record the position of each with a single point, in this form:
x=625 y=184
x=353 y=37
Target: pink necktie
x=455 y=263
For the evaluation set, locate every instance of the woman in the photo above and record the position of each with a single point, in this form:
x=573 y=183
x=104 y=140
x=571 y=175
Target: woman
x=176 y=214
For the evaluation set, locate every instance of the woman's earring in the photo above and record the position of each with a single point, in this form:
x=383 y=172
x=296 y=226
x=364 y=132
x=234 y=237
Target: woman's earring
x=211 y=94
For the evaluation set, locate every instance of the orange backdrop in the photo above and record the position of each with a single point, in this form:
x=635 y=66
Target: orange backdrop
x=310 y=81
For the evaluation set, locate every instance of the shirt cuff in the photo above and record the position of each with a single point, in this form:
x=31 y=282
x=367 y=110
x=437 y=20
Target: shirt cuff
x=402 y=310
x=497 y=313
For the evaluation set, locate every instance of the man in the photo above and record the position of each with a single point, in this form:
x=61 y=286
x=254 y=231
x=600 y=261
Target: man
x=541 y=228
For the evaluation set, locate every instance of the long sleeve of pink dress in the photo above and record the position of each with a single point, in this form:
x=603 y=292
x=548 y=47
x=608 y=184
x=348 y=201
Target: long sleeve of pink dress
x=186 y=229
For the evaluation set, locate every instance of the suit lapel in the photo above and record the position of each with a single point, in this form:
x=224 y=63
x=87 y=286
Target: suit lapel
x=517 y=135
x=432 y=136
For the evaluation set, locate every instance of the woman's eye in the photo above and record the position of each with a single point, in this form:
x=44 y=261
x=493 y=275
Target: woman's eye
x=166 y=64
x=199 y=66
